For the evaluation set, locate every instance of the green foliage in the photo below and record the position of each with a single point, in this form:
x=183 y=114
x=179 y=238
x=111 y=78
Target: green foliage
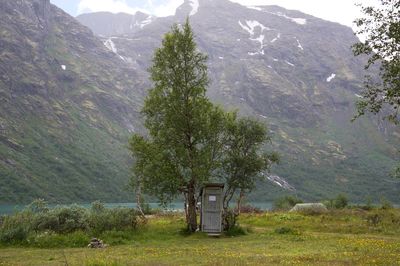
x=191 y=140
x=381 y=25
x=236 y=230
x=386 y=204
x=341 y=201
x=243 y=162
x=16 y=227
x=229 y=217
x=46 y=227
x=247 y=208
x=184 y=126
x=305 y=240
x=286 y=202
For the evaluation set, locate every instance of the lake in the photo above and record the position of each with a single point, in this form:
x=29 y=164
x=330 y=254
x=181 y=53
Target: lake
x=176 y=206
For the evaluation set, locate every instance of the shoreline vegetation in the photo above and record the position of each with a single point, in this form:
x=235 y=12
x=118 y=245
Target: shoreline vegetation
x=355 y=234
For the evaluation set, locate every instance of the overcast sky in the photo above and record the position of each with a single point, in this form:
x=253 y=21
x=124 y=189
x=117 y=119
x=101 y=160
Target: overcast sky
x=342 y=11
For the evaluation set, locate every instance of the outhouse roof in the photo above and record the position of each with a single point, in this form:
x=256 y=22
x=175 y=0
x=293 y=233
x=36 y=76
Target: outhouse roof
x=221 y=185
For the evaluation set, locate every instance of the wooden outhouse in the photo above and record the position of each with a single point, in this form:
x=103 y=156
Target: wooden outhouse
x=211 y=208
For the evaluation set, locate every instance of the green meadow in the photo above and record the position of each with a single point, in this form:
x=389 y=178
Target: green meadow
x=351 y=236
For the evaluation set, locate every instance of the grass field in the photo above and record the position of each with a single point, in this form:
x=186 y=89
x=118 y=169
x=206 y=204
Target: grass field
x=345 y=237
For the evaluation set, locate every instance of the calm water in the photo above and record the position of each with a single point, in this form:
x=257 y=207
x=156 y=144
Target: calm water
x=176 y=206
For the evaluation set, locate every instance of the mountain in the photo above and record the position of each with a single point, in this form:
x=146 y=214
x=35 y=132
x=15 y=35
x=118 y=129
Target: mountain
x=70 y=99
x=68 y=106
x=105 y=23
x=297 y=73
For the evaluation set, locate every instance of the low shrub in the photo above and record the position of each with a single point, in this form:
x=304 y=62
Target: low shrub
x=102 y=219
x=286 y=203
x=236 y=230
x=374 y=219
x=310 y=208
x=249 y=209
x=39 y=224
x=15 y=228
x=385 y=204
x=229 y=219
x=340 y=202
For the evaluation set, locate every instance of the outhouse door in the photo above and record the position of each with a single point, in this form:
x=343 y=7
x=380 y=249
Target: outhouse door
x=211 y=219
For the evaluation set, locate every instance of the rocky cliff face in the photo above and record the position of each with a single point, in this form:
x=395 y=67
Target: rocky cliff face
x=67 y=107
x=295 y=72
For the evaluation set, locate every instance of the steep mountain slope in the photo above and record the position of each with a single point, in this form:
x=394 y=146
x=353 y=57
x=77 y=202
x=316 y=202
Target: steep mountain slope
x=293 y=71
x=68 y=105
x=105 y=24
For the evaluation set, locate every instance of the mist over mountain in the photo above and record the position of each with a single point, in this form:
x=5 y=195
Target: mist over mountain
x=71 y=97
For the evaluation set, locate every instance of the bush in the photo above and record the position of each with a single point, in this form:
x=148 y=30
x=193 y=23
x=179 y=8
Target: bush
x=249 y=209
x=385 y=204
x=38 y=206
x=340 y=202
x=286 y=203
x=374 y=219
x=102 y=219
x=15 y=228
x=17 y=233
x=309 y=208
x=236 y=231
x=229 y=219
x=43 y=225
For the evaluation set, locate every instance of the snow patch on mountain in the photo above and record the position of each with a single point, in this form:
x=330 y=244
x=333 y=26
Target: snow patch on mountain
x=63 y=67
x=250 y=26
x=290 y=64
x=111 y=46
x=299 y=44
x=259 y=39
x=300 y=21
x=195 y=7
x=255 y=8
x=332 y=76
x=140 y=23
x=256 y=53
x=276 y=38
x=280 y=182
x=145 y=22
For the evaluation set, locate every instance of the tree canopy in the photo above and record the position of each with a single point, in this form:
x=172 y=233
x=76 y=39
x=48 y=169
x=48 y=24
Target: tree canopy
x=190 y=140
x=381 y=26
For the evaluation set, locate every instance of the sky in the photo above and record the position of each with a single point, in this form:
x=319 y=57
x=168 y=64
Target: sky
x=341 y=11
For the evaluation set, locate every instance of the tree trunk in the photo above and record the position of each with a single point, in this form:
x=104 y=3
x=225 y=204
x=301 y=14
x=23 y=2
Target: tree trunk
x=139 y=197
x=186 y=207
x=239 y=202
x=192 y=215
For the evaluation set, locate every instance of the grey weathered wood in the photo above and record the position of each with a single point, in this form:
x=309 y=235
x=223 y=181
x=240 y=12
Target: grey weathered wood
x=211 y=208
